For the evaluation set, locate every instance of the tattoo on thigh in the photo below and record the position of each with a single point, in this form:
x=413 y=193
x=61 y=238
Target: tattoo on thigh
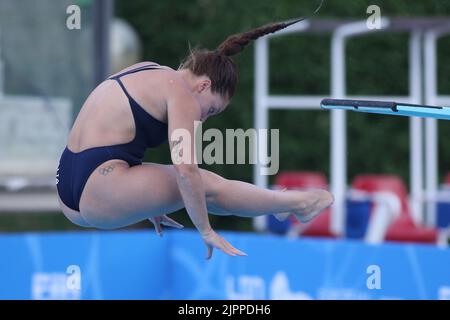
x=104 y=171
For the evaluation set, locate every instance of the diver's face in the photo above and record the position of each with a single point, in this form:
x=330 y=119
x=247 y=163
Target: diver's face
x=210 y=103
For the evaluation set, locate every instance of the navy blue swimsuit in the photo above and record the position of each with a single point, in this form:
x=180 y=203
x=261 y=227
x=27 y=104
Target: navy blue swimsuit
x=75 y=168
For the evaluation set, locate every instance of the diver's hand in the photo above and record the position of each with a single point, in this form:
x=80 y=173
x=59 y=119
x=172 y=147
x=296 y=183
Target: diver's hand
x=165 y=221
x=213 y=240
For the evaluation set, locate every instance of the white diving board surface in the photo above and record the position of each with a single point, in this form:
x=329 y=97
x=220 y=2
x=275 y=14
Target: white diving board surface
x=388 y=107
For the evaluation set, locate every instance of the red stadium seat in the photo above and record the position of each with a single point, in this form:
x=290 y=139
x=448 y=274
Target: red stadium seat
x=373 y=183
x=301 y=179
x=403 y=228
x=447 y=179
x=320 y=226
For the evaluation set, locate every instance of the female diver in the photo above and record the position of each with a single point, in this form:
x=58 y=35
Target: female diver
x=102 y=181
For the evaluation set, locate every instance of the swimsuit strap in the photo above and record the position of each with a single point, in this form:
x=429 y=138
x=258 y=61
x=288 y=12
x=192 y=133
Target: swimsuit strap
x=117 y=77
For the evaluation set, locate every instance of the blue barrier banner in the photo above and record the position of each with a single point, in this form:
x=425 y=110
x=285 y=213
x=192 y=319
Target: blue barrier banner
x=279 y=268
x=140 y=265
x=85 y=265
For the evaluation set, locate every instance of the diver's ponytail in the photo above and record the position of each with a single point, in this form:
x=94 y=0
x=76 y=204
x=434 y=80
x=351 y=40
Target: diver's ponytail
x=236 y=43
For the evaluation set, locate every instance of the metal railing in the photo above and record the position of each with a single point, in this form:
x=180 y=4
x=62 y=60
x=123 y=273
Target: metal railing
x=424 y=33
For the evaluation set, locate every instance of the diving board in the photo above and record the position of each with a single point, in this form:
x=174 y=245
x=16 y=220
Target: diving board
x=388 y=108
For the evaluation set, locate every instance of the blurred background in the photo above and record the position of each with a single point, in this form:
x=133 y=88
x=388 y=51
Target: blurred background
x=391 y=177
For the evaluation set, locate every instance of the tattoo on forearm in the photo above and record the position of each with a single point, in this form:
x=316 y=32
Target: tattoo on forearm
x=178 y=152
x=104 y=171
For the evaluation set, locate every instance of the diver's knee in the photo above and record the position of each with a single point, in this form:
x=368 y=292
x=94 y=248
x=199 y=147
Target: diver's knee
x=213 y=183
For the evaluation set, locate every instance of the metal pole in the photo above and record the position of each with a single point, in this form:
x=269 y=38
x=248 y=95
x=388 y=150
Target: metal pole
x=431 y=154
x=431 y=125
x=338 y=135
x=2 y=69
x=261 y=115
x=103 y=14
x=338 y=120
x=416 y=128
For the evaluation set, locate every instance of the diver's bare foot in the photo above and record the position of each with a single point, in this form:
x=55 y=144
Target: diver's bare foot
x=319 y=201
x=312 y=203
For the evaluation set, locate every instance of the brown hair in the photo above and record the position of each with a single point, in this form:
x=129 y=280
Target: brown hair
x=219 y=66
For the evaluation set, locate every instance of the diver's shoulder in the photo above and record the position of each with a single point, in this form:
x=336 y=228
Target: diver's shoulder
x=156 y=64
